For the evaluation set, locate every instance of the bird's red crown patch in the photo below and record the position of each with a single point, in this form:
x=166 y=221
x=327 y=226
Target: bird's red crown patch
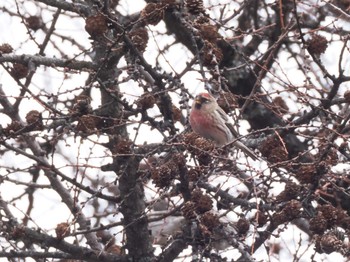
x=205 y=95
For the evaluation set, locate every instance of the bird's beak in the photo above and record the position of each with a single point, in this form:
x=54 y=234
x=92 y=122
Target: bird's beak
x=198 y=100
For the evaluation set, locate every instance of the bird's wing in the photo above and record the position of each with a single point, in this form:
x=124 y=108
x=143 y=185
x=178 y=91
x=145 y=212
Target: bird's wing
x=232 y=129
x=235 y=134
x=227 y=122
x=223 y=114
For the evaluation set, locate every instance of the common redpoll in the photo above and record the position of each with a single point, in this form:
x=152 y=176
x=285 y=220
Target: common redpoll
x=211 y=122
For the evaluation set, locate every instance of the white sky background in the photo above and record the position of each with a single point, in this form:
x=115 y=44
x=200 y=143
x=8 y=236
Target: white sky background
x=52 y=211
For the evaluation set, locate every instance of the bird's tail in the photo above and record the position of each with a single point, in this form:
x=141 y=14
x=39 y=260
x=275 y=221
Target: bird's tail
x=245 y=150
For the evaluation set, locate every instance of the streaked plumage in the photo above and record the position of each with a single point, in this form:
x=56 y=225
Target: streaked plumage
x=211 y=122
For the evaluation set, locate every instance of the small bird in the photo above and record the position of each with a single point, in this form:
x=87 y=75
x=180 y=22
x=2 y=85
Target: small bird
x=209 y=120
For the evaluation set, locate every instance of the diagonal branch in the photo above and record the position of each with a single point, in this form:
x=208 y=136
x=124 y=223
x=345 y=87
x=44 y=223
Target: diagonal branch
x=77 y=7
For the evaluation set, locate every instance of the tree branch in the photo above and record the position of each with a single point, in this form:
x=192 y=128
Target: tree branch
x=51 y=62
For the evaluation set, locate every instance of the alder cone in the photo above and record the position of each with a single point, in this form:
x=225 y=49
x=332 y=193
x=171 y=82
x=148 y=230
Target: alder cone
x=139 y=37
x=62 y=230
x=209 y=32
x=273 y=149
x=6 y=49
x=330 y=243
x=203 y=202
x=152 y=13
x=347 y=96
x=34 y=22
x=242 y=226
x=210 y=220
x=13 y=128
x=19 y=71
x=317 y=44
x=211 y=54
x=96 y=25
x=34 y=118
x=195 y=6
x=188 y=210
x=146 y=101
x=87 y=124
x=318 y=224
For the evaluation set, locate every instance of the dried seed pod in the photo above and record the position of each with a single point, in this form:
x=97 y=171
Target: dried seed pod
x=306 y=174
x=177 y=115
x=139 y=37
x=195 y=6
x=190 y=137
x=242 y=226
x=152 y=13
x=146 y=101
x=6 y=48
x=330 y=243
x=82 y=105
x=34 y=22
x=318 y=224
x=96 y=25
x=334 y=216
x=200 y=147
x=292 y=210
x=203 y=202
x=317 y=44
x=211 y=54
x=34 y=119
x=62 y=230
x=194 y=174
x=347 y=96
x=13 y=128
x=179 y=160
x=203 y=144
x=210 y=220
x=87 y=123
x=279 y=218
x=201 y=20
x=291 y=191
x=188 y=210
x=19 y=71
x=123 y=147
x=165 y=174
x=209 y=32
x=273 y=149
